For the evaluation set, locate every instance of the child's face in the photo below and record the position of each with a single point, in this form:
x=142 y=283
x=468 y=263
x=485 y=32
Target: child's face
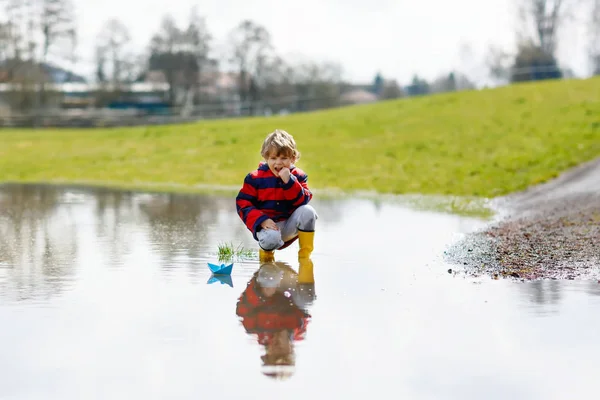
x=268 y=292
x=277 y=162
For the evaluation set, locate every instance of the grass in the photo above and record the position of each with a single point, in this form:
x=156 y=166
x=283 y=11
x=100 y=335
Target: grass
x=228 y=252
x=481 y=143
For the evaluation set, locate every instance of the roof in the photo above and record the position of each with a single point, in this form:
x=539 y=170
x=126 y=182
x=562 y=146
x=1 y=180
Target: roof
x=359 y=96
x=61 y=75
x=54 y=73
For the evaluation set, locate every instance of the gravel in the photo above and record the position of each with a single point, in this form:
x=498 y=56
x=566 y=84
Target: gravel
x=551 y=231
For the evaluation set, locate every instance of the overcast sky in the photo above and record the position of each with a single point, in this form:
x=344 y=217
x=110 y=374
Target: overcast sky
x=397 y=37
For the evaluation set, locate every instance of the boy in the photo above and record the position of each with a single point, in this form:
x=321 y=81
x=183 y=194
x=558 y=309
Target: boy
x=273 y=201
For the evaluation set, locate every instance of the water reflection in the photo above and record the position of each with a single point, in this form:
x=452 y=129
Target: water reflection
x=545 y=292
x=547 y=296
x=594 y=288
x=38 y=243
x=273 y=309
x=111 y=290
x=113 y=213
x=224 y=280
x=178 y=225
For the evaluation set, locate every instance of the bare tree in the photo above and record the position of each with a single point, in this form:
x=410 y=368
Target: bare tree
x=252 y=49
x=164 y=48
x=9 y=41
x=37 y=26
x=391 y=90
x=318 y=85
x=35 y=30
x=199 y=40
x=498 y=63
x=117 y=65
x=276 y=82
x=112 y=53
x=537 y=41
x=57 y=23
x=541 y=21
x=181 y=55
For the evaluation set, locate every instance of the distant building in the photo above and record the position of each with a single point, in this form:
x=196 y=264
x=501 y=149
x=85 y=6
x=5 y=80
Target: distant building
x=214 y=88
x=63 y=88
x=358 y=96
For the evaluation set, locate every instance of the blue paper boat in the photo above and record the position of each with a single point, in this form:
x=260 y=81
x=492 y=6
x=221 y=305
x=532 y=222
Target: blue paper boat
x=224 y=279
x=220 y=269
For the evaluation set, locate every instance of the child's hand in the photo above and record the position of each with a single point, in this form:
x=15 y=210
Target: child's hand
x=284 y=174
x=269 y=224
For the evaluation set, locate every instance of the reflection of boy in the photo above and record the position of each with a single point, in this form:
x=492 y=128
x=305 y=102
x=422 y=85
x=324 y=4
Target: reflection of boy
x=273 y=200
x=272 y=316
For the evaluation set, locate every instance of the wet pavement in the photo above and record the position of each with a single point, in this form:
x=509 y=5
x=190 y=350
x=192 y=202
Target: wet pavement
x=108 y=295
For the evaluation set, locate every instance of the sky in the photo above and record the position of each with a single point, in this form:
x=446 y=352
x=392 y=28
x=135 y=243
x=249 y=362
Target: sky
x=398 y=38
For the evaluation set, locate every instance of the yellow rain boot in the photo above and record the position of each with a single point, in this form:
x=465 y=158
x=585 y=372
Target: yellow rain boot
x=266 y=256
x=306 y=240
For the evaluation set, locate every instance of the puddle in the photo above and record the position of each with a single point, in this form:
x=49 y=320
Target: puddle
x=108 y=295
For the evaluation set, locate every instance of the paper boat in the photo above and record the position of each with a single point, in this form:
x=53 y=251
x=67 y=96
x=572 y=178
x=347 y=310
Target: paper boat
x=224 y=279
x=220 y=269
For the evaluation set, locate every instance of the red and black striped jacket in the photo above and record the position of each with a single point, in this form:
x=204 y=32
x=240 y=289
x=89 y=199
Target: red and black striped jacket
x=265 y=316
x=264 y=195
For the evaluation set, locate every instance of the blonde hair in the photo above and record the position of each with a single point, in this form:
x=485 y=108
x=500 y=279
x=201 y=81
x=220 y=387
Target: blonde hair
x=279 y=142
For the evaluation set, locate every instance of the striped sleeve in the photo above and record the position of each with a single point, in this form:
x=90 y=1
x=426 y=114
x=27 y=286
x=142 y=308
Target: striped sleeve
x=297 y=190
x=246 y=206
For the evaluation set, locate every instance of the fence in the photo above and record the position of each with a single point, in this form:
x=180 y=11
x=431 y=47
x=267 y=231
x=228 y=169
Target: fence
x=106 y=117
x=225 y=109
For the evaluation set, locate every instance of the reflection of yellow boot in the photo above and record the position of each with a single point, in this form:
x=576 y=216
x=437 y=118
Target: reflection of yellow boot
x=305 y=271
x=266 y=256
x=305 y=240
x=305 y=291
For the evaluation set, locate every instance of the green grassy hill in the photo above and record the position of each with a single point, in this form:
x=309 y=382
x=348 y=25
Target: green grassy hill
x=481 y=143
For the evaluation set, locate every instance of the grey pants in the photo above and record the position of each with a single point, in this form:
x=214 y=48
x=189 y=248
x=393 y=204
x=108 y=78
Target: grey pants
x=304 y=218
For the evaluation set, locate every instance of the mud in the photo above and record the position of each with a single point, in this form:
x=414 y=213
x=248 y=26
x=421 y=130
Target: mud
x=551 y=231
